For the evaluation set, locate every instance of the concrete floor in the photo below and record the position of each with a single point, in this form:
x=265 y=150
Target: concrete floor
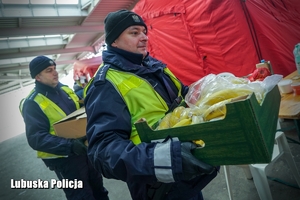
x=18 y=161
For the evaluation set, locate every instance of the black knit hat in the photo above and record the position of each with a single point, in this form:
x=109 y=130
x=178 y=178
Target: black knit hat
x=38 y=64
x=117 y=22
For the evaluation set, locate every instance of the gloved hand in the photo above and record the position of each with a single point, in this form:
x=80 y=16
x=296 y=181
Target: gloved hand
x=78 y=146
x=191 y=166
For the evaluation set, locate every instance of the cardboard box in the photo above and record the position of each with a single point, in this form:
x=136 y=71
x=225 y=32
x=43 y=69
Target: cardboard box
x=245 y=136
x=73 y=125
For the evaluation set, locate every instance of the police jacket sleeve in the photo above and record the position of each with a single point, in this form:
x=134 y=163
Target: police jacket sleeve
x=111 y=150
x=184 y=90
x=37 y=132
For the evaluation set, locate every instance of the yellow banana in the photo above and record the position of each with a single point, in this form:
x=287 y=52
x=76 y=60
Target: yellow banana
x=196 y=111
x=175 y=115
x=223 y=95
x=237 y=80
x=173 y=120
x=197 y=119
x=183 y=122
x=185 y=113
x=199 y=143
x=178 y=114
x=216 y=110
x=165 y=122
x=177 y=111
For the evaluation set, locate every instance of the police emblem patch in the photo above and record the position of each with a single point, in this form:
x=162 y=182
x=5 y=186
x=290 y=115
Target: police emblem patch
x=136 y=18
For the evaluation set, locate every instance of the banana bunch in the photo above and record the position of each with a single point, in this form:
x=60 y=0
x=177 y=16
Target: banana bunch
x=208 y=108
x=179 y=117
x=222 y=95
x=214 y=105
x=217 y=110
x=165 y=122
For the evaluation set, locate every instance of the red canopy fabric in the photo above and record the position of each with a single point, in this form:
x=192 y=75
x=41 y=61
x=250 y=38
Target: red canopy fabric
x=196 y=38
x=86 y=68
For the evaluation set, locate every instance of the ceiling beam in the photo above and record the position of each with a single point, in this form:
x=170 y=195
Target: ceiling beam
x=25 y=66
x=46 y=52
x=5 y=69
x=13 y=83
x=9 y=89
x=18 y=65
x=14 y=86
x=52 y=30
x=14 y=78
x=64 y=62
x=12 y=43
x=42 y=10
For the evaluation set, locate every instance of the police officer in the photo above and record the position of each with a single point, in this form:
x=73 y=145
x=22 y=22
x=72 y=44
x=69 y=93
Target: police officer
x=46 y=104
x=128 y=86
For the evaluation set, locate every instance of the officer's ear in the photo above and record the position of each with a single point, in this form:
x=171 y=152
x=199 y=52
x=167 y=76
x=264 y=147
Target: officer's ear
x=114 y=44
x=37 y=77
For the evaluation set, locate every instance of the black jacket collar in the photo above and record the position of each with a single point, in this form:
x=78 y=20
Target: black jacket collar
x=134 y=58
x=42 y=88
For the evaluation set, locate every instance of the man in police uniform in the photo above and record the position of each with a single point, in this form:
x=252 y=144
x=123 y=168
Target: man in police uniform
x=131 y=85
x=47 y=103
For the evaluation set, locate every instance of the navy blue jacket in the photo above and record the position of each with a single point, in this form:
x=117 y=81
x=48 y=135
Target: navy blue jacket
x=37 y=124
x=109 y=128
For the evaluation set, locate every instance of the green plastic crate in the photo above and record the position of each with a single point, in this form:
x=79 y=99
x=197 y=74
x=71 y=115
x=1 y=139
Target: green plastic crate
x=245 y=136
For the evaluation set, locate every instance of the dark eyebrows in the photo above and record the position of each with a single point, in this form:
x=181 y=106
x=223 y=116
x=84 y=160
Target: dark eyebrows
x=50 y=68
x=137 y=28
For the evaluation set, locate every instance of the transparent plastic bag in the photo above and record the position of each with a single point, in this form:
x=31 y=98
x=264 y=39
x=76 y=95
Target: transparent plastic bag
x=211 y=84
x=215 y=88
x=207 y=98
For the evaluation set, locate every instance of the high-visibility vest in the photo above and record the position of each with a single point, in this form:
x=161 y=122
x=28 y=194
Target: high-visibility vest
x=134 y=89
x=52 y=111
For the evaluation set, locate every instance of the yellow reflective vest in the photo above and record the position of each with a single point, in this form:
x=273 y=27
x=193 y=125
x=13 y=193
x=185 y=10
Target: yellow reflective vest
x=134 y=89
x=52 y=111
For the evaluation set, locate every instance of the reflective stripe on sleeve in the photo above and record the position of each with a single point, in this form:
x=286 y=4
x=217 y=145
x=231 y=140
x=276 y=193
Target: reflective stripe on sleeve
x=163 y=163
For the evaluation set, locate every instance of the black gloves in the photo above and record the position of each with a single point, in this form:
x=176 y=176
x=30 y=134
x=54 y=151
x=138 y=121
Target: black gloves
x=191 y=166
x=78 y=146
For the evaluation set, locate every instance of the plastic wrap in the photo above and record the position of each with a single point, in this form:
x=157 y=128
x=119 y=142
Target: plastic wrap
x=207 y=98
x=203 y=89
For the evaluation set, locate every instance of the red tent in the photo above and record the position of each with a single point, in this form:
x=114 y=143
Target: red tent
x=198 y=37
x=85 y=69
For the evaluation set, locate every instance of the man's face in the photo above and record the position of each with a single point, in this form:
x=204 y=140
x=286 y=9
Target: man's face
x=48 y=76
x=133 y=39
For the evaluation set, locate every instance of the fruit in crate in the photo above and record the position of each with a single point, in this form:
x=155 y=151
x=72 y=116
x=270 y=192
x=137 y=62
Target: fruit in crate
x=179 y=117
x=207 y=109
x=207 y=99
x=165 y=122
x=222 y=95
x=175 y=116
x=183 y=122
x=217 y=110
